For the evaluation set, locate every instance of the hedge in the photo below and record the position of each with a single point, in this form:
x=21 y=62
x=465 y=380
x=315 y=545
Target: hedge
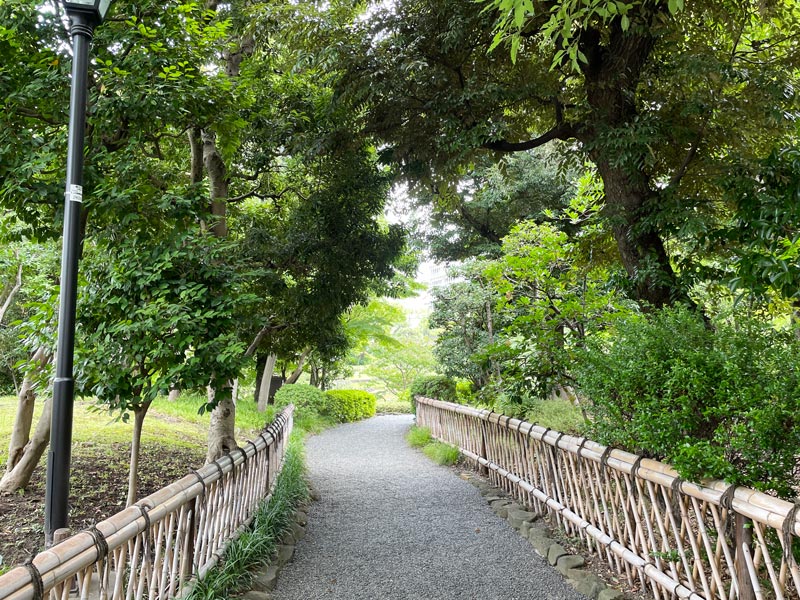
x=350 y=405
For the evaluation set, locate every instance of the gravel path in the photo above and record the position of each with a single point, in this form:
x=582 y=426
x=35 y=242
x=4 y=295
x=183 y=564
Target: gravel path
x=391 y=524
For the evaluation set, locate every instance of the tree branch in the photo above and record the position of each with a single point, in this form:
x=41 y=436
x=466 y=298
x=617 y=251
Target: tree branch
x=562 y=131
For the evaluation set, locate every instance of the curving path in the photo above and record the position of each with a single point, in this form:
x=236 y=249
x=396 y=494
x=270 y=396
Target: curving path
x=391 y=524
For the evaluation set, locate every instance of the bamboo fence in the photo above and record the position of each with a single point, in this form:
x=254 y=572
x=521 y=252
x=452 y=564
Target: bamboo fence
x=677 y=538
x=156 y=547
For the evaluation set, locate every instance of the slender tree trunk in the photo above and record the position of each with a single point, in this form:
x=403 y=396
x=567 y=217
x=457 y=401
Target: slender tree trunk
x=20 y=475
x=19 y=444
x=136 y=445
x=14 y=290
x=266 y=381
x=221 y=432
x=235 y=392
x=261 y=362
x=299 y=369
x=174 y=394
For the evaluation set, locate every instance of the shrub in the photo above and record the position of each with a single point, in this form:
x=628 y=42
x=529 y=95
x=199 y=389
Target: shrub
x=306 y=398
x=557 y=414
x=716 y=403
x=444 y=454
x=437 y=387
x=417 y=437
x=350 y=405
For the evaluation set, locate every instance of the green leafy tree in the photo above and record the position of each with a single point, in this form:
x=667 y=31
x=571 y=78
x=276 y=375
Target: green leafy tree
x=657 y=98
x=153 y=315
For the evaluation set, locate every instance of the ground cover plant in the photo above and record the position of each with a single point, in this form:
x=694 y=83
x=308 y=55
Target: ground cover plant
x=439 y=452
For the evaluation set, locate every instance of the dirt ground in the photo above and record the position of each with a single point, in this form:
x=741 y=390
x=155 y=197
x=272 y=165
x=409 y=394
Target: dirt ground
x=98 y=488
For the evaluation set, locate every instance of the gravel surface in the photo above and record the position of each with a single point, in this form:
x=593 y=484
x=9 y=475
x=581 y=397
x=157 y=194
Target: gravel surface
x=390 y=523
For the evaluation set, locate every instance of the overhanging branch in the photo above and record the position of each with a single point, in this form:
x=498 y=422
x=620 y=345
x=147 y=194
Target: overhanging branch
x=562 y=131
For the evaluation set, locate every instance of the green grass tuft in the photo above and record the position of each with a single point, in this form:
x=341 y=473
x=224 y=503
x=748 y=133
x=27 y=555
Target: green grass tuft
x=561 y=415
x=441 y=453
x=417 y=437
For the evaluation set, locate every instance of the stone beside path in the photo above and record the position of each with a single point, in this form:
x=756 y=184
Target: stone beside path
x=388 y=523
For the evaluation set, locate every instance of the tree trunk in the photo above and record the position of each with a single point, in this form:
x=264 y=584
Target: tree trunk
x=20 y=475
x=235 y=391
x=299 y=369
x=14 y=290
x=266 y=381
x=21 y=431
x=261 y=361
x=221 y=430
x=612 y=74
x=136 y=444
x=174 y=394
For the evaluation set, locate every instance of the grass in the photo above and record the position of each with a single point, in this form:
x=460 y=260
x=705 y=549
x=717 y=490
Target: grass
x=418 y=437
x=439 y=452
x=257 y=545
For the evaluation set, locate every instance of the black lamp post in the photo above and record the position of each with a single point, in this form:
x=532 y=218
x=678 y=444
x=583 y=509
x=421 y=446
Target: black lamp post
x=84 y=16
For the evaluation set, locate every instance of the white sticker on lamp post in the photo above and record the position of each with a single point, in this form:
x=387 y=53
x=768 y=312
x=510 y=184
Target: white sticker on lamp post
x=76 y=193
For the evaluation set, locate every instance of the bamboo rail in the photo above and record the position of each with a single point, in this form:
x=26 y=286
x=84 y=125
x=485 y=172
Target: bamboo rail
x=156 y=547
x=680 y=539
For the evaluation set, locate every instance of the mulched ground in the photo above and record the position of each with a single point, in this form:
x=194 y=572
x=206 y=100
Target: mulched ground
x=98 y=488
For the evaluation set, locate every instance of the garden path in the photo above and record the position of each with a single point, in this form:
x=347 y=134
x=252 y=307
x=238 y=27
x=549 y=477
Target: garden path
x=391 y=524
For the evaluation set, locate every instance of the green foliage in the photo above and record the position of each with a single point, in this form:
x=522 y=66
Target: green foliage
x=437 y=387
x=256 y=546
x=443 y=454
x=560 y=415
x=714 y=402
x=350 y=405
x=553 y=292
x=306 y=398
x=464 y=316
x=418 y=437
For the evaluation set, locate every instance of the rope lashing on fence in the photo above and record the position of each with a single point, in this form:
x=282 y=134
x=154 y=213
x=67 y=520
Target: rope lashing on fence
x=221 y=475
x=100 y=543
x=787 y=528
x=202 y=483
x=675 y=499
x=36 y=579
x=604 y=464
x=558 y=439
x=147 y=525
x=726 y=502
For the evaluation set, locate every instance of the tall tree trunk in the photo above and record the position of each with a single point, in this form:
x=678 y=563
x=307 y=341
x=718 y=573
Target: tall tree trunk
x=20 y=474
x=612 y=74
x=136 y=444
x=266 y=381
x=222 y=429
x=174 y=394
x=299 y=369
x=221 y=438
x=261 y=361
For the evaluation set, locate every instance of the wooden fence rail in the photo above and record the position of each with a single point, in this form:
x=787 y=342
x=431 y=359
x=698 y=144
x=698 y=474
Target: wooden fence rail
x=155 y=547
x=709 y=541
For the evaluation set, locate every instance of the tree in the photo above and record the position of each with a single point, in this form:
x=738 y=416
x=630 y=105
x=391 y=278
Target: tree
x=464 y=316
x=154 y=319
x=655 y=100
